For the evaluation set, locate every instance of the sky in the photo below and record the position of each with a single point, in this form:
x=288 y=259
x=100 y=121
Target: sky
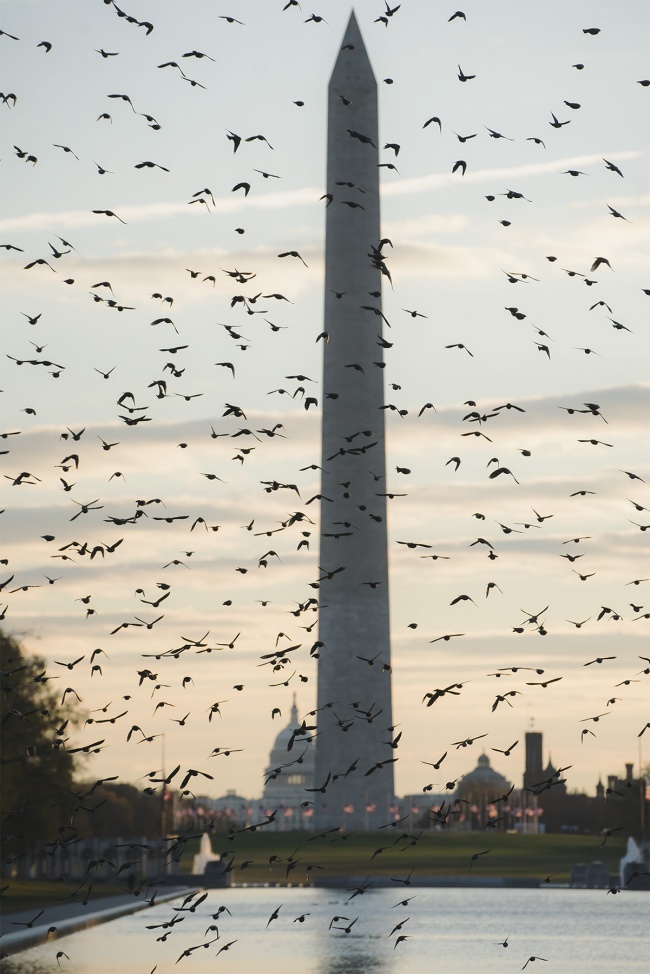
x=510 y=278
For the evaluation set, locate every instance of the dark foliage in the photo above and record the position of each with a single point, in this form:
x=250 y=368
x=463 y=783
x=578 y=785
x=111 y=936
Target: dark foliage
x=122 y=811
x=36 y=800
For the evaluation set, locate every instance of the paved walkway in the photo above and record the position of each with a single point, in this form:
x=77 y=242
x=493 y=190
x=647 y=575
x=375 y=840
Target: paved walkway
x=64 y=918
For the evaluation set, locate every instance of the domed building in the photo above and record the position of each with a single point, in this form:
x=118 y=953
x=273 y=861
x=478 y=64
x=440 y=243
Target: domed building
x=478 y=791
x=289 y=772
x=284 y=788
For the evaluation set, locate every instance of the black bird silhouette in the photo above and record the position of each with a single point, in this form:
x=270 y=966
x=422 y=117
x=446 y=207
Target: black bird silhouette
x=476 y=857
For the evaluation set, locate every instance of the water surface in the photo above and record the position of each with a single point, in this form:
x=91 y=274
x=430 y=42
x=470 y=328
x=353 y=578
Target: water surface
x=455 y=930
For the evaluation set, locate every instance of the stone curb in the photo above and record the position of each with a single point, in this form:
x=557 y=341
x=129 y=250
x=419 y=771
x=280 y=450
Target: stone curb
x=12 y=943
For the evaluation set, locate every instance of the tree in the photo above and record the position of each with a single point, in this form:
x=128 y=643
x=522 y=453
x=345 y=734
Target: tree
x=36 y=797
x=123 y=811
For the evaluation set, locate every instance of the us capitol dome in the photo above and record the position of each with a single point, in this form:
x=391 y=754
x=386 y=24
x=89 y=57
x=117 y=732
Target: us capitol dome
x=285 y=789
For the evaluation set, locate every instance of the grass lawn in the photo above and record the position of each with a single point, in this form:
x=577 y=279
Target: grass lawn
x=434 y=854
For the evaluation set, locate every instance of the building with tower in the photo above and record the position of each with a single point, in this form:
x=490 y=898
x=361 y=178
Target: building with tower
x=535 y=774
x=483 y=799
x=533 y=770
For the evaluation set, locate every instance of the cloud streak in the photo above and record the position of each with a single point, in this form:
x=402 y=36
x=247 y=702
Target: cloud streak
x=286 y=199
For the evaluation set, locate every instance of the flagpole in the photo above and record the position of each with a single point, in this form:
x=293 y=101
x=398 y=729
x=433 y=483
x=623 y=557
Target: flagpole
x=163 y=830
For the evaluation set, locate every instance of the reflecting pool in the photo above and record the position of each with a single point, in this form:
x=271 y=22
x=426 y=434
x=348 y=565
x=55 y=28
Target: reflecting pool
x=459 y=930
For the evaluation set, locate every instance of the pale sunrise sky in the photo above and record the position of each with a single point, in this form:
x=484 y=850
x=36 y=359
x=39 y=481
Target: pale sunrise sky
x=460 y=249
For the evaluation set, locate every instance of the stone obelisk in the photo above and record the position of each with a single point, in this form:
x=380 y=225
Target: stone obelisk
x=354 y=678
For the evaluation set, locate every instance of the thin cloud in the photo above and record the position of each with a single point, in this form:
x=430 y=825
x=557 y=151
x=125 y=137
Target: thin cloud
x=291 y=198
x=441 y=180
x=159 y=211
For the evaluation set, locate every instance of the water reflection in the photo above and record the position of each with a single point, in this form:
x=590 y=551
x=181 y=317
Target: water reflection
x=361 y=955
x=460 y=928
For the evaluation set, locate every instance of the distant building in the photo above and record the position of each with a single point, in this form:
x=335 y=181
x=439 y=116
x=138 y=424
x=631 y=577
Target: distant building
x=533 y=770
x=542 y=804
x=419 y=803
x=235 y=806
x=537 y=777
x=616 y=785
x=284 y=789
x=478 y=791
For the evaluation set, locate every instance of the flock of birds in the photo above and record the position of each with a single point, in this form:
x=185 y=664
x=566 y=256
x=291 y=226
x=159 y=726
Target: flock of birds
x=83 y=552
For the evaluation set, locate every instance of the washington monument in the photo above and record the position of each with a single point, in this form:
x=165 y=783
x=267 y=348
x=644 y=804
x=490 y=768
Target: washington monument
x=354 y=757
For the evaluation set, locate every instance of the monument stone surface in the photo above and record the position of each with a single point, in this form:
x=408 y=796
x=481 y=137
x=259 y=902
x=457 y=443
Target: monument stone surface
x=354 y=769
